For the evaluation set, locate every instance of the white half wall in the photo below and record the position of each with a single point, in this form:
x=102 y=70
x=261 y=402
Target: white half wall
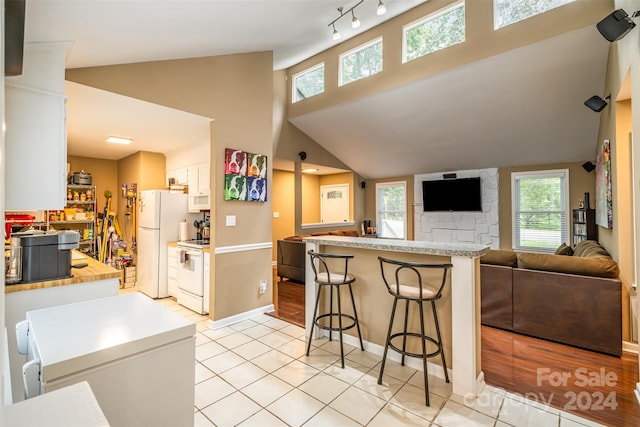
x=465 y=227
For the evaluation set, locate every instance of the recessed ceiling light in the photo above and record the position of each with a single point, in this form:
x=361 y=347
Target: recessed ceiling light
x=118 y=140
x=310 y=170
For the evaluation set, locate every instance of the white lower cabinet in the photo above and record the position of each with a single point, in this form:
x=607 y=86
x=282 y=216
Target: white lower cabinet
x=172 y=265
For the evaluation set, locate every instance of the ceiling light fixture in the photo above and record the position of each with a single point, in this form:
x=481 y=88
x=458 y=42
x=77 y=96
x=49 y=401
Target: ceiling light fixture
x=118 y=140
x=382 y=9
x=355 y=22
x=336 y=34
x=310 y=170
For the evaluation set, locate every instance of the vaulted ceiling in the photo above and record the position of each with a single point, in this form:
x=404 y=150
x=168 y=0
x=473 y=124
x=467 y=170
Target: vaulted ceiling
x=520 y=107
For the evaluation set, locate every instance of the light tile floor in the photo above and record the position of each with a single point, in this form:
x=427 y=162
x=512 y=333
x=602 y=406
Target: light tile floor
x=256 y=373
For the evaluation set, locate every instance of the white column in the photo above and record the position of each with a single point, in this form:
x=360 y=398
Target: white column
x=465 y=338
x=310 y=292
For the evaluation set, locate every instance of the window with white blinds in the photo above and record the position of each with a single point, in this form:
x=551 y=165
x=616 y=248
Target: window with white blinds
x=540 y=207
x=391 y=206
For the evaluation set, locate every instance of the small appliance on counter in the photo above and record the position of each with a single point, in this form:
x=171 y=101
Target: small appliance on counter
x=80 y=178
x=46 y=256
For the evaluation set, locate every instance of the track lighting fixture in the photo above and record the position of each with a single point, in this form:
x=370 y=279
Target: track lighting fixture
x=596 y=103
x=616 y=25
x=355 y=22
x=336 y=34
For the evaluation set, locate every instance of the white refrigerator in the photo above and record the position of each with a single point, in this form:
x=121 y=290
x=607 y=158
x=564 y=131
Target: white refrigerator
x=159 y=217
x=136 y=354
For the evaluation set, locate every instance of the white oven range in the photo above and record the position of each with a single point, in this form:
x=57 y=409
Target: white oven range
x=193 y=286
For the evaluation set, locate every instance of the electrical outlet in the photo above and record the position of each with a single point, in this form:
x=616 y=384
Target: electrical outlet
x=263 y=286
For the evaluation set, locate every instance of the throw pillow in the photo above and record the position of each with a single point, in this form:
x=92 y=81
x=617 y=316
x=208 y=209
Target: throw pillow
x=564 y=249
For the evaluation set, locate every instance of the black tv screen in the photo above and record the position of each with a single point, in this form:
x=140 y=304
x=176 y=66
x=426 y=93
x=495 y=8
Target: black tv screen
x=453 y=195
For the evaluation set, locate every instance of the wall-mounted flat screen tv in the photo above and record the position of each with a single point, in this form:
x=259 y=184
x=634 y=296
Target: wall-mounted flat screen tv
x=452 y=195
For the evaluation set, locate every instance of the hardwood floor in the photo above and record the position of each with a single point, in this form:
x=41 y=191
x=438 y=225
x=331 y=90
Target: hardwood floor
x=585 y=383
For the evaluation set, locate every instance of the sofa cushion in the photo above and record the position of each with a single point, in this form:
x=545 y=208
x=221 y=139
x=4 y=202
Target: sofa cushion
x=500 y=257
x=588 y=248
x=598 y=266
x=564 y=249
x=297 y=237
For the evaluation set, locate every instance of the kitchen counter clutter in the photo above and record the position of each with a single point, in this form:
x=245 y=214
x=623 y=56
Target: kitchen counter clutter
x=458 y=313
x=94 y=271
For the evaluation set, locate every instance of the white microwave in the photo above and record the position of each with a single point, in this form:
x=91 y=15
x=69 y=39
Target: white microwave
x=199 y=202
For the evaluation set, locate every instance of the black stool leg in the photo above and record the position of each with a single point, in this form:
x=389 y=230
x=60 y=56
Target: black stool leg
x=330 y=312
x=424 y=355
x=404 y=337
x=435 y=319
x=315 y=312
x=386 y=346
x=355 y=314
x=340 y=325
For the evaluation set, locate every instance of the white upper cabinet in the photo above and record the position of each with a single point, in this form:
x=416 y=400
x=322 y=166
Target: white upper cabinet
x=36 y=144
x=199 y=194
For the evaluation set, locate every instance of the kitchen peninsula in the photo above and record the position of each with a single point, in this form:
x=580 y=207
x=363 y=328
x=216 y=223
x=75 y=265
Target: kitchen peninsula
x=458 y=310
x=96 y=280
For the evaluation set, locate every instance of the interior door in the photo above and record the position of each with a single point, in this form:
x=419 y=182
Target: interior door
x=334 y=203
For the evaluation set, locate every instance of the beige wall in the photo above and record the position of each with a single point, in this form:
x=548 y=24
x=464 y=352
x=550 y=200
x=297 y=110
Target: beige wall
x=481 y=42
x=219 y=88
x=104 y=174
x=284 y=204
x=310 y=198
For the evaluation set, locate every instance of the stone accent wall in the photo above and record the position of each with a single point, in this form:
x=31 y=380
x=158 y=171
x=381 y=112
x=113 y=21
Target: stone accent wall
x=462 y=227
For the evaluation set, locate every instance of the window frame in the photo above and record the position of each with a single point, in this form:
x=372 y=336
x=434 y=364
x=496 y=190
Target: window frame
x=295 y=77
x=428 y=18
x=495 y=14
x=358 y=49
x=550 y=173
x=379 y=185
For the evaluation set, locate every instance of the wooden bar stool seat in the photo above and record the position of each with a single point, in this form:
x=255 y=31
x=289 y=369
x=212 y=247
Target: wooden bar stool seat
x=324 y=269
x=414 y=282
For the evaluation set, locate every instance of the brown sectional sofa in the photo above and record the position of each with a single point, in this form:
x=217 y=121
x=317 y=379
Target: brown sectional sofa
x=292 y=254
x=570 y=299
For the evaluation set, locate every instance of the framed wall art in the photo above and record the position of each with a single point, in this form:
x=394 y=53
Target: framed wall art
x=245 y=176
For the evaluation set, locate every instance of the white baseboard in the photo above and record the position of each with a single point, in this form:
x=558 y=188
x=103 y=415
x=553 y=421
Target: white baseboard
x=221 y=323
x=377 y=349
x=631 y=347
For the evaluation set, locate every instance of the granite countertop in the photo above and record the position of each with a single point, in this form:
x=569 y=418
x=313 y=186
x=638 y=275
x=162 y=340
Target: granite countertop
x=94 y=271
x=411 y=246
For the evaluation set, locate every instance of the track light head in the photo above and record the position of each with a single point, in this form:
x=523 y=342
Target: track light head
x=336 y=34
x=596 y=103
x=382 y=9
x=355 y=22
x=616 y=25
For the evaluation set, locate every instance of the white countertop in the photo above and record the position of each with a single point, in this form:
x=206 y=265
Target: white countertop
x=411 y=246
x=85 y=334
x=69 y=406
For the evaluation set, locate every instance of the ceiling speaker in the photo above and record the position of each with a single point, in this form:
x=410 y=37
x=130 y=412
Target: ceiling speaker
x=616 y=25
x=596 y=103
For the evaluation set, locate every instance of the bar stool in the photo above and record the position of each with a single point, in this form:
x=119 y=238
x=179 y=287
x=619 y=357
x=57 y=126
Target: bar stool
x=407 y=281
x=324 y=276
